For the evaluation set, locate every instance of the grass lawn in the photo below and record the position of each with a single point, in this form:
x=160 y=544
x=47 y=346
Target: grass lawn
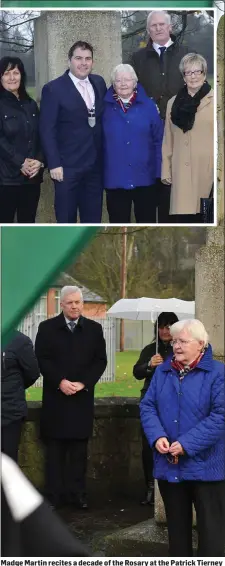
x=125 y=385
x=32 y=91
x=210 y=80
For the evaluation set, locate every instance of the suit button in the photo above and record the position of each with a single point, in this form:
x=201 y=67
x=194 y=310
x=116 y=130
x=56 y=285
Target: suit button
x=128 y=143
x=128 y=121
x=175 y=421
x=187 y=163
x=176 y=478
x=186 y=143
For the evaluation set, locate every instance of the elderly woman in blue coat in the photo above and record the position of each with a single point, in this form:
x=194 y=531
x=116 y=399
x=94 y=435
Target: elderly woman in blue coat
x=132 y=142
x=182 y=415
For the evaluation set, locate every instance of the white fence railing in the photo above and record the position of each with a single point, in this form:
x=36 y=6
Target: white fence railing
x=29 y=326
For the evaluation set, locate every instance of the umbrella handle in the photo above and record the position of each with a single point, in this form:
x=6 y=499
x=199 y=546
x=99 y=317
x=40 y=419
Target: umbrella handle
x=157 y=336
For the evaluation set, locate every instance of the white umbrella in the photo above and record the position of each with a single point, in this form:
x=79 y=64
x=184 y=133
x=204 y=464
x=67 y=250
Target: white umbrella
x=147 y=308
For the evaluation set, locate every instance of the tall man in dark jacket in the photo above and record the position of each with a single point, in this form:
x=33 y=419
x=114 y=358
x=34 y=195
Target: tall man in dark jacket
x=157 y=68
x=144 y=369
x=19 y=370
x=72 y=356
x=70 y=129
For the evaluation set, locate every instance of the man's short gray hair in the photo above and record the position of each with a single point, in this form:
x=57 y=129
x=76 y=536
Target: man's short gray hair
x=68 y=289
x=166 y=14
x=190 y=59
x=194 y=326
x=124 y=68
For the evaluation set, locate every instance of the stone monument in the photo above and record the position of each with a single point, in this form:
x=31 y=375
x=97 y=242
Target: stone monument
x=55 y=32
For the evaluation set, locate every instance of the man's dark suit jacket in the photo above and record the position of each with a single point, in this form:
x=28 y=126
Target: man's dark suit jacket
x=78 y=356
x=160 y=81
x=67 y=139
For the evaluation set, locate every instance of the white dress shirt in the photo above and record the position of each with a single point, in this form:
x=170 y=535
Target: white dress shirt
x=156 y=46
x=76 y=83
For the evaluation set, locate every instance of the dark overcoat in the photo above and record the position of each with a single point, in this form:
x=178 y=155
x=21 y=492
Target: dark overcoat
x=19 y=370
x=161 y=81
x=78 y=356
x=142 y=370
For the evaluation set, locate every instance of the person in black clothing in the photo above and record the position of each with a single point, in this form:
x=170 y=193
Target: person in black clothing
x=157 y=68
x=21 y=158
x=19 y=370
x=144 y=369
x=71 y=353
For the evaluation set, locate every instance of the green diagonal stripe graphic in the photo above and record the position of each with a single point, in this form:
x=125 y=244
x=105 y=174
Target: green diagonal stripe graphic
x=31 y=259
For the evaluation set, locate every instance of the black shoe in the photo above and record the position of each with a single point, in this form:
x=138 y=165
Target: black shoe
x=56 y=506
x=80 y=502
x=149 y=497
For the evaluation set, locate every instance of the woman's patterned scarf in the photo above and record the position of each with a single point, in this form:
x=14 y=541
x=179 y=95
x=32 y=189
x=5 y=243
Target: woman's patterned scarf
x=184 y=369
x=125 y=105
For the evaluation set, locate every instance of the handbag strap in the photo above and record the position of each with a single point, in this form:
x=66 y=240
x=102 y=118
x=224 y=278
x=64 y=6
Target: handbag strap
x=211 y=194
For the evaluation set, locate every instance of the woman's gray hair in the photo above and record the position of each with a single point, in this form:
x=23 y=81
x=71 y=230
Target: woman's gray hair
x=194 y=326
x=68 y=289
x=125 y=68
x=191 y=59
x=166 y=14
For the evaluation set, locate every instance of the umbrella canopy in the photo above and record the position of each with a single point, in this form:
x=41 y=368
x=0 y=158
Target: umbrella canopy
x=147 y=308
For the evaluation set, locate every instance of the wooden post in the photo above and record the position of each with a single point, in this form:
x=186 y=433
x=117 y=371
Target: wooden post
x=50 y=303
x=123 y=282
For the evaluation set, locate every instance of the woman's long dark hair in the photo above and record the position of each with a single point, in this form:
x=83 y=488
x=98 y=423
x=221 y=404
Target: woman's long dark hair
x=164 y=319
x=7 y=63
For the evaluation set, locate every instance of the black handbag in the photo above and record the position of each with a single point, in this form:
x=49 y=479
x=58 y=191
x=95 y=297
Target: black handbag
x=207 y=208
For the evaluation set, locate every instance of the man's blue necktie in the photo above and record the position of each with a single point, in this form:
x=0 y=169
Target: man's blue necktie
x=72 y=325
x=162 y=51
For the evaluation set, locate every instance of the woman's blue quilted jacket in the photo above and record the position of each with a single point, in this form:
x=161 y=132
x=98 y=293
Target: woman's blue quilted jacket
x=191 y=411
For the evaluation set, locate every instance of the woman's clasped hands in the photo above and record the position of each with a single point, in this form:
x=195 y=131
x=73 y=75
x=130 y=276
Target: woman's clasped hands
x=31 y=167
x=164 y=447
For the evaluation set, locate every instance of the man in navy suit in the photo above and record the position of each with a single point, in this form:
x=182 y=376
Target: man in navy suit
x=71 y=134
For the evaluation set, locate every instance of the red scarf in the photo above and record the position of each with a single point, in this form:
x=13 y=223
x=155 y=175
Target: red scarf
x=183 y=369
x=125 y=105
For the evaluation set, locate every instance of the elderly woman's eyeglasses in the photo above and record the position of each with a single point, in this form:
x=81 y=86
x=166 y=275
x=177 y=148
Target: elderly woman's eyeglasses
x=180 y=341
x=124 y=81
x=196 y=73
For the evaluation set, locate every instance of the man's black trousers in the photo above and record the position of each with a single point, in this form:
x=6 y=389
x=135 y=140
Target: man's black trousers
x=10 y=439
x=65 y=471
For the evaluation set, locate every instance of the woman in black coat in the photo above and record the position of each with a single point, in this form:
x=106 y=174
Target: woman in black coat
x=145 y=369
x=19 y=370
x=21 y=159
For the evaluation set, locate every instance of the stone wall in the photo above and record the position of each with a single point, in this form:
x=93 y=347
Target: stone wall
x=114 y=462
